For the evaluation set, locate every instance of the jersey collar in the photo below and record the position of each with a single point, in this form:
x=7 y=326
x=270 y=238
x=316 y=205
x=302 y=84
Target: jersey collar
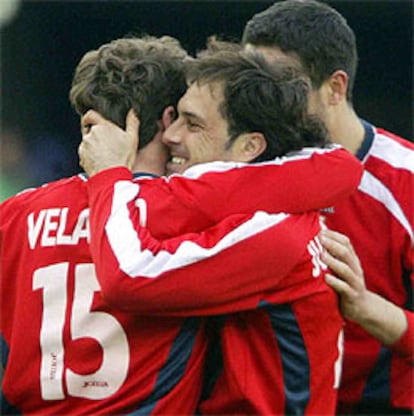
x=367 y=142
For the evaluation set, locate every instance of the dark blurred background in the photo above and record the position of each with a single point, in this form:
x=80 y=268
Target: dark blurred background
x=42 y=42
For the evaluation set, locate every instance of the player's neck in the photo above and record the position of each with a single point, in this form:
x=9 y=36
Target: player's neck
x=347 y=130
x=152 y=158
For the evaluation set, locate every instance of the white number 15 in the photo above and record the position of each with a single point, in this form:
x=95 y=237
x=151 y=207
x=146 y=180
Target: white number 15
x=101 y=326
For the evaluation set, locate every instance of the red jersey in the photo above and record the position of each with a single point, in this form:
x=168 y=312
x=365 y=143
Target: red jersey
x=60 y=338
x=67 y=351
x=379 y=220
x=265 y=267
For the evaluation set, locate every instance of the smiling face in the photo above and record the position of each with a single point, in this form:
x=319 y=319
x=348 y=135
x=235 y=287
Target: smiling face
x=200 y=133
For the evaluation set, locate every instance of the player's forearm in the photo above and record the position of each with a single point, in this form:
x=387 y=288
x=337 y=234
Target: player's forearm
x=312 y=179
x=382 y=319
x=191 y=274
x=212 y=272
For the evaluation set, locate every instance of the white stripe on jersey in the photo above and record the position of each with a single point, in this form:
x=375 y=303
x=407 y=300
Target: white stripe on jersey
x=135 y=261
x=373 y=187
x=118 y=227
x=193 y=172
x=392 y=152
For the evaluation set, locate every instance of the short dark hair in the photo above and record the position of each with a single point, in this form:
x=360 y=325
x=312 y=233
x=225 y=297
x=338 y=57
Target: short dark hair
x=313 y=31
x=261 y=97
x=146 y=74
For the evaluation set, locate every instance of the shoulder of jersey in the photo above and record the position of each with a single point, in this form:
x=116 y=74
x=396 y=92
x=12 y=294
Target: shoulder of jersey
x=66 y=189
x=394 y=138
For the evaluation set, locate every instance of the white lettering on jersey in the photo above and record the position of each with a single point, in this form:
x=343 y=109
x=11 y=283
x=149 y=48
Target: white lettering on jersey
x=315 y=250
x=85 y=322
x=49 y=228
x=141 y=204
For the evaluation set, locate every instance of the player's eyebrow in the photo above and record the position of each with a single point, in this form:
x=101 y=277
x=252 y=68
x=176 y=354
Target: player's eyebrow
x=191 y=115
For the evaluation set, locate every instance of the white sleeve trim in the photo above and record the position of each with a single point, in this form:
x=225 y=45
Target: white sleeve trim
x=393 y=153
x=377 y=190
x=196 y=171
x=135 y=261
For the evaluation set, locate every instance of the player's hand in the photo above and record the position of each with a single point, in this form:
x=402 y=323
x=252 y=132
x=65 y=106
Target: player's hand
x=381 y=318
x=347 y=277
x=105 y=145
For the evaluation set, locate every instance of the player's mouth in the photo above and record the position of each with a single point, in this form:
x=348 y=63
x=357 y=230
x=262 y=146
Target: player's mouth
x=176 y=164
x=177 y=160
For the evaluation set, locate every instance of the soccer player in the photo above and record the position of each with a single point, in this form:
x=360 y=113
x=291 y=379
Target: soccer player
x=64 y=348
x=263 y=270
x=378 y=219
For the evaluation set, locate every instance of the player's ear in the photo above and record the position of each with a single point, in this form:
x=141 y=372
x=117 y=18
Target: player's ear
x=249 y=146
x=337 y=87
x=168 y=116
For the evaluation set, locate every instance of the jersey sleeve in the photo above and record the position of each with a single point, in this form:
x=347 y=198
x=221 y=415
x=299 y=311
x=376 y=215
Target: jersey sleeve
x=307 y=180
x=404 y=346
x=226 y=268
x=180 y=205
x=310 y=179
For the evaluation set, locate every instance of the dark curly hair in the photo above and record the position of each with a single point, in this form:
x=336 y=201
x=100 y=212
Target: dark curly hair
x=261 y=97
x=146 y=74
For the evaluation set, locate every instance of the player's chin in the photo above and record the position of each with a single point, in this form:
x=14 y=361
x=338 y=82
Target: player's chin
x=175 y=168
